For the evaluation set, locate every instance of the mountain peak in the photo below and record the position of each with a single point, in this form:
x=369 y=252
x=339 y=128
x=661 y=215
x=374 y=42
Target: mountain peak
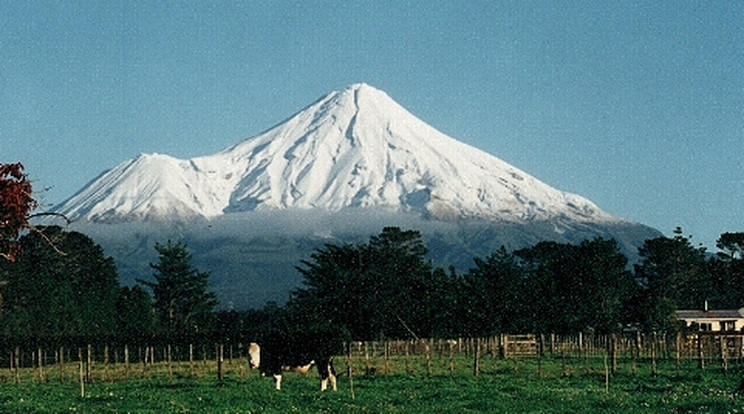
x=356 y=148
x=360 y=85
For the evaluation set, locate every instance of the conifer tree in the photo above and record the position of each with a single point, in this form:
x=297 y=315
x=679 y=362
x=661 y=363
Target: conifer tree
x=183 y=304
x=60 y=295
x=673 y=275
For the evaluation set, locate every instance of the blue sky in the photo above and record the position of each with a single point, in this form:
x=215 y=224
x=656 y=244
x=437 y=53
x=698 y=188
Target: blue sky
x=638 y=106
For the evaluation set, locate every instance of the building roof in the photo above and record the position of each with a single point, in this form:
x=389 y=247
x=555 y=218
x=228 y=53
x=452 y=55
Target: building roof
x=711 y=314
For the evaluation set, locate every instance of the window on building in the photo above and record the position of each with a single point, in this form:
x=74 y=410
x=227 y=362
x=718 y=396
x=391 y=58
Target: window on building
x=728 y=325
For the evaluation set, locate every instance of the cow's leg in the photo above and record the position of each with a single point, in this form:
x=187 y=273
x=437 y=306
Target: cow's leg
x=333 y=380
x=323 y=373
x=278 y=381
x=324 y=382
x=332 y=375
x=327 y=374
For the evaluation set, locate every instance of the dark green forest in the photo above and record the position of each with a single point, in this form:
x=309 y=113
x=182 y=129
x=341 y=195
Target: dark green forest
x=64 y=289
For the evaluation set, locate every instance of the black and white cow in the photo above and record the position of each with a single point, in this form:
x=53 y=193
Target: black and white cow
x=274 y=357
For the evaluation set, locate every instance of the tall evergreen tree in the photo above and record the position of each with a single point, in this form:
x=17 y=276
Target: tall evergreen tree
x=384 y=287
x=492 y=294
x=135 y=315
x=731 y=245
x=50 y=294
x=94 y=281
x=401 y=276
x=673 y=275
x=447 y=305
x=336 y=280
x=183 y=304
x=605 y=283
x=571 y=288
x=549 y=289
x=727 y=272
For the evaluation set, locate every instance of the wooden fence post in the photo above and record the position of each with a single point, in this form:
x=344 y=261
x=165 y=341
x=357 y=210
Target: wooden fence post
x=701 y=357
x=476 y=359
x=451 y=357
x=169 y=360
x=126 y=361
x=506 y=345
x=191 y=360
x=607 y=375
x=367 y=366
x=41 y=365
x=61 y=364
x=386 y=344
x=18 y=364
x=81 y=372
x=220 y=350
x=146 y=357
x=495 y=351
x=88 y=365
x=564 y=365
x=724 y=362
x=409 y=370
x=241 y=360
x=636 y=351
x=613 y=347
x=428 y=345
x=588 y=352
x=106 y=362
x=539 y=353
x=11 y=366
x=654 y=370
x=349 y=369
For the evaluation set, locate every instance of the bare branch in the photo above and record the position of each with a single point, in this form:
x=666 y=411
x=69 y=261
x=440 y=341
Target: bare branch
x=40 y=232
x=67 y=220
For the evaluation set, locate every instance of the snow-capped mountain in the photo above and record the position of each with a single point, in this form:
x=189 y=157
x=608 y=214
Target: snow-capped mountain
x=353 y=148
x=336 y=172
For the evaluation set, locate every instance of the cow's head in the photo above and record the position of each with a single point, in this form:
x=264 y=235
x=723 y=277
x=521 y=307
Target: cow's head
x=254 y=352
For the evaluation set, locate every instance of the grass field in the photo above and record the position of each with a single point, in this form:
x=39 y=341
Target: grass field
x=554 y=388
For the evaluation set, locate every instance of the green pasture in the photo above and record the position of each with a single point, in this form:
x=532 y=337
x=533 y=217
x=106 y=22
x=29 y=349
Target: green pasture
x=402 y=385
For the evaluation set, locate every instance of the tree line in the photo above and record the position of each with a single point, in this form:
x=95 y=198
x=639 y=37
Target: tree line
x=63 y=287
x=387 y=287
x=59 y=285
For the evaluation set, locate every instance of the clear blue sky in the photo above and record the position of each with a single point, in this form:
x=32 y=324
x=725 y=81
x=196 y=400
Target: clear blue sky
x=638 y=106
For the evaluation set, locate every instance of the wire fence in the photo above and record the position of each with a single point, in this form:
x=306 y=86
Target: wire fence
x=631 y=350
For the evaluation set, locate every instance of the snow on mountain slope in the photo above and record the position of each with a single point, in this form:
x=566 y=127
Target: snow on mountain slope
x=354 y=148
x=147 y=187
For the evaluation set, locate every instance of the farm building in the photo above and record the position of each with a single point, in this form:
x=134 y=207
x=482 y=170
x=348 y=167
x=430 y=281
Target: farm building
x=708 y=320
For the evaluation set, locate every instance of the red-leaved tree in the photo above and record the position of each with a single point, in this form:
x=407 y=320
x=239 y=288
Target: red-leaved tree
x=16 y=204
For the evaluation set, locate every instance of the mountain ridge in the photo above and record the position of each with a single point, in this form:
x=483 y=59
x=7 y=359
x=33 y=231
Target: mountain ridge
x=337 y=171
x=351 y=148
